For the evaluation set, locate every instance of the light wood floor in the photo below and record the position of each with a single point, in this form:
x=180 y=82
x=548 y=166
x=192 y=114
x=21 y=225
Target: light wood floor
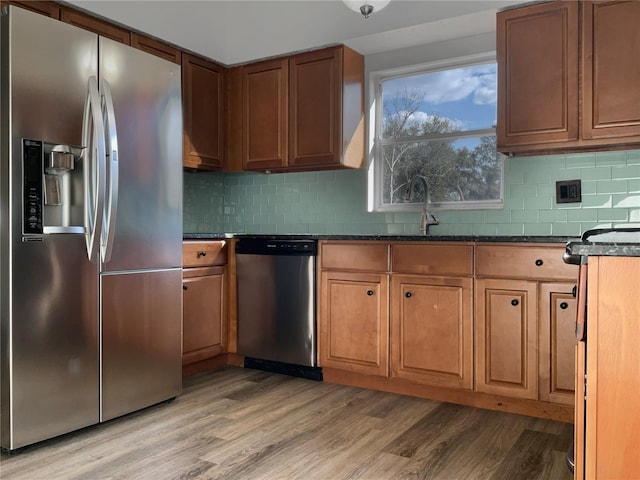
x=241 y=424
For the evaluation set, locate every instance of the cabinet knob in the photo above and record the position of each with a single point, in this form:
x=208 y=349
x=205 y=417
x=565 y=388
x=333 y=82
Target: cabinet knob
x=369 y=292
x=515 y=302
x=202 y=253
x=564 y=305
x=574 y=291
x=539 y=262
x=184 y=287
x=408 y=294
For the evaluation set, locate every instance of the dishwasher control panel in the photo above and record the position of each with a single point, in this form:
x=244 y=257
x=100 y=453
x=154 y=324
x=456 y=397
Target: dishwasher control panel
x=261 y=246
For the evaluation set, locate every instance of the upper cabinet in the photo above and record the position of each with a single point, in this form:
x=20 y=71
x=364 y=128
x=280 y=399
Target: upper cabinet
x=47 y=8
x=304 y=112
x=203 y=113
x=575 y=87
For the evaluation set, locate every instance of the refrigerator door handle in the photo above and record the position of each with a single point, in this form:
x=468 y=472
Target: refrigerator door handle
x=94 y=168
x=108 y=230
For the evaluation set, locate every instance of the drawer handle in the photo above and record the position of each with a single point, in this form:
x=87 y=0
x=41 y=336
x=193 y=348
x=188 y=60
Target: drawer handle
x=202 y=254
x=408 y=294
x=369 y=292
x=184 y=287
x=515 y=302
x=574 y=291
x=564 y=305
x=539 y=263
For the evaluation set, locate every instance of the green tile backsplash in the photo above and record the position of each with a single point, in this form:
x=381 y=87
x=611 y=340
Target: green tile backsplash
x=335 y=202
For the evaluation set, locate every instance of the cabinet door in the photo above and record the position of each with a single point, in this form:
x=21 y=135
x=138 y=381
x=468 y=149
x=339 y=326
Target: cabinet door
x=315 y=108
x=353 y=323
x=203 y=332
x=537 y=75
x=506 y=360
x=431 y=330
x=556 y=344
x=203 y=111
x=611 y=71
x=265 y=116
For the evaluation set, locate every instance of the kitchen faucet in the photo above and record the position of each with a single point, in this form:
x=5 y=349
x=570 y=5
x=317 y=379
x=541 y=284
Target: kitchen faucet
x=427 y=218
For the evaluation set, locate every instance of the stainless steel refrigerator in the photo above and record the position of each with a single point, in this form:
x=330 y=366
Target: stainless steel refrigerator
x=91 y=228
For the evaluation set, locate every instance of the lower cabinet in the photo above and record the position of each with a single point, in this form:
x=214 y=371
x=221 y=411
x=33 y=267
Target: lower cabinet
x=203 y=329
x=354 y=322
x=432 y=330
x=556 y=343
x=506 y=338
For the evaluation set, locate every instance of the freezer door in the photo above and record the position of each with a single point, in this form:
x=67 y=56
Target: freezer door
x=148 y=116
x=141 y=340
x=49 y=289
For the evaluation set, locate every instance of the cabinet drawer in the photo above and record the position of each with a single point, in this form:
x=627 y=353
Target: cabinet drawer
x=364 y=257
x=432 y=259
x=202 y=254
x=531 y=262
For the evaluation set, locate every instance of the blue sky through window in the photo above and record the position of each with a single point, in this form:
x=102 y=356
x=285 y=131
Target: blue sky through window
x=466 y=96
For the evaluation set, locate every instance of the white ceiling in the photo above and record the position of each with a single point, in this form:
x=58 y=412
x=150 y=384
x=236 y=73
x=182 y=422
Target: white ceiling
x=238 y=31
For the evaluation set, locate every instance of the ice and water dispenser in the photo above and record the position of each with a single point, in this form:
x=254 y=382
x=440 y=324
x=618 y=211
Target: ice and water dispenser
x=53 y=188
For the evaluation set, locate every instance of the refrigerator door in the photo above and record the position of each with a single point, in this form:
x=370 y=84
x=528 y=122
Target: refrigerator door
x=148 y=114
x=49 y=289
x=141 y=340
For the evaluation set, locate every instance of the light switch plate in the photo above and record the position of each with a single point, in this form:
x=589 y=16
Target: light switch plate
x=569 y=191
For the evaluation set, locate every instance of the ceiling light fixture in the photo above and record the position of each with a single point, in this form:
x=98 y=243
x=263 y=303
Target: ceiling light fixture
x=366 y=7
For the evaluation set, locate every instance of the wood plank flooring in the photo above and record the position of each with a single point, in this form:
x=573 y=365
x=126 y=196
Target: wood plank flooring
x=241 y=424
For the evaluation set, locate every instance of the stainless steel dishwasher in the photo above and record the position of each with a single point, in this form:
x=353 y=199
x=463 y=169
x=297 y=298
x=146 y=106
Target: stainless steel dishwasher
x=277 y=305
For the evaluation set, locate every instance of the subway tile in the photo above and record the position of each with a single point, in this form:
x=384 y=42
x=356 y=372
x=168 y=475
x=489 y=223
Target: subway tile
x=613 y=215
x=588 y=187
x=630 y=171
x=633 y=157
x=510 y=229
x=634 y=214
x=633 y=185
x=626 y=201
x=566 y=229
x=580 y=160
x=485 y=229
x=582 y=215
x=618 y=157
x=599 y=173
x=537 y=174
x=538 y=203
x=537 y=229
x=524 y=216
x=611 y=186
x=524 y=191
x=459 y=229
x=497 y=216
x=394 y=229
x=596 y=201
x=552 y=216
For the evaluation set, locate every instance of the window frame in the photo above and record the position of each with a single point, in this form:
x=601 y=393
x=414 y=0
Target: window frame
x=375 y=176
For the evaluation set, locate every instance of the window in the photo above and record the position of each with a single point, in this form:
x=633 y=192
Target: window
x=438 y=123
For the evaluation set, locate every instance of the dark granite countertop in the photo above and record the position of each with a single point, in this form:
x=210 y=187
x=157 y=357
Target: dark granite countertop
x=388 y=238
x=607 y=242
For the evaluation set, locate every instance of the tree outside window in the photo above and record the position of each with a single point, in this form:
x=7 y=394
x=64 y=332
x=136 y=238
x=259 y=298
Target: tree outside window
x=440 y=125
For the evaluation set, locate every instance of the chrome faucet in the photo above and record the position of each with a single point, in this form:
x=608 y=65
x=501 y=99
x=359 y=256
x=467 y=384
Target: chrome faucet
x=427 y=218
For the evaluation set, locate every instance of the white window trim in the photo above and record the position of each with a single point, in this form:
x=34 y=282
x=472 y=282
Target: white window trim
x=374 y=194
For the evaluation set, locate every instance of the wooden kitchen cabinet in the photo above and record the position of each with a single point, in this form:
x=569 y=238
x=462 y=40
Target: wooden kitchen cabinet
x=354 y=322
x=204 y=324
x=506 y=338
x=610 y=71
x=432 y=330
x=304 y=112
x=556 y=342
x=575 y=88
x=203 y=86
x=265 y=87
x=537 y=75
x=525 y=318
